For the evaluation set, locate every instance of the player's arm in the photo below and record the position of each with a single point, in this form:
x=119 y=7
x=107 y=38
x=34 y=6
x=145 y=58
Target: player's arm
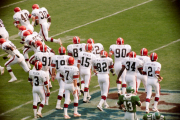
x=49 y=21
x=9 y=48
x=157 y=73
x=111 y=66
x=140 y=70
x=30 y=80
x=53 y=71
x=46 y=83
x=16 y=24
x=120 y=72
x=110 y=53
x=138 y=102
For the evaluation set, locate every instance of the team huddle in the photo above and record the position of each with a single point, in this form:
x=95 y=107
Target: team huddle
x=73 y=71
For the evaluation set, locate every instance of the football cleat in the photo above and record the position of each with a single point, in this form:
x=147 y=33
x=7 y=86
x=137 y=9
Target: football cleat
x=88 y=98
x=2 y=70
x=147 y=111
x=82 y=92
x=106 y=106
x=155 y=110
x=39 y=114
x=87 y=101
x=58 y=107
x=99 y=107
x=12 y=79
x=66 y=117
x=154 y=56
x=77 y=115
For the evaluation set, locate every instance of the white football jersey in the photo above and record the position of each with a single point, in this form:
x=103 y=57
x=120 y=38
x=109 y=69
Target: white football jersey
x=69 y=73
x=42 y=15
x=144 y=59
x=22 y=17
x=132 y=65
x=103 y=65
x=120 y=51
x=38 y=77
x=45 y=58
x=59 y=60
x=10 y=44
x=152 y=69
x=97 y=48
x=85 y=59
x=2 y=28
x=74 y=50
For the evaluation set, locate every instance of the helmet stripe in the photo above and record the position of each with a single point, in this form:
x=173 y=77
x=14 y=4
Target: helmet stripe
x=142 y=51
x=61 y=49
x=77 y=39
x=133 y=54
x=87 y=46
x=121 y=40
x=37 y=65
x=153 y=56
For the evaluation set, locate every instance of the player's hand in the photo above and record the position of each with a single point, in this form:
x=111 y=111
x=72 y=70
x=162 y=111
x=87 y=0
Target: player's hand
x=95 y=74
x=159 y=80
x=117 y=81
x=22 y=42
x=5 y=57
x=49 y=29
x=74 y=92
x=53 y=78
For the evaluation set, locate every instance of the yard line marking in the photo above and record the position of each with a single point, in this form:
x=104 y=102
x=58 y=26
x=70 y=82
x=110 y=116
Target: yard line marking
x=165 y=45
x=13 y=4
x=96 y=86
x=12 y=37
x=102 y=18
x=26 y=118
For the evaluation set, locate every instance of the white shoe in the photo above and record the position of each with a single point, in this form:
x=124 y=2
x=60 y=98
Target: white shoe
x=59 y=108
x=12 y=79
x=69 y=101
x=39 y=114
x=99 y=107
x=88 y=98
x=155 y=110
x=147 y=110
x=2 y=70
x=66 y=117
x=106 y=106
x=77 y=115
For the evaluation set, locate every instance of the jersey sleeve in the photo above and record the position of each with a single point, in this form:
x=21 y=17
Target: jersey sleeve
x=157 y=69
x=76 y=73
x=120 y=102
x=138 y=102
x=30 y=76
x=53 y=62
x=111 y=50
x=69 y=50
x=111 y=64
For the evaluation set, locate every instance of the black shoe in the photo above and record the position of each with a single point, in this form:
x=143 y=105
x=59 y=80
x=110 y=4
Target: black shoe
x=82 y=92
x=38 y=103
x=86 y=101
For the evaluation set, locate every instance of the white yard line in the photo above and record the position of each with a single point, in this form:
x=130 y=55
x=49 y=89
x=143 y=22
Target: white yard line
x=25 y=118
x=165 y=45
x=13 y=4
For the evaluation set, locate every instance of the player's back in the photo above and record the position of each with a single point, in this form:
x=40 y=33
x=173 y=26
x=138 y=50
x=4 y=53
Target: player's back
x=74 y=50
x=10 y=44
x=97 y=48
x=148 y=116
x=68 y=72
x=130 y=101
x=22 y=17
x=120 y=51
x=144 y=59
x=103 y=65
x=42 y=15
x=45 y=58
x=59 y=61
x=151 y=68
x=38 y=77
x=132 y=64
x=86 y=60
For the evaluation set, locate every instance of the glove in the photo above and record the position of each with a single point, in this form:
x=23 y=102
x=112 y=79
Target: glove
x=22 y=42
x=5 y=57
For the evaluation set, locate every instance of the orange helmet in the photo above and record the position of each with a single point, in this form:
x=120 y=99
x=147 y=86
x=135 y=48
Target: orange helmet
x=144 y=52
x=38 y=65
x=120 y=41
x=90 y=41
x=88 y=47
x=154 y=56
x=132 y=54
x=70 y=60
x=26 y=33
x=103 y=53
x=35 y=6
x=43 y=48
x=30 y=31
x=62 y=50
x=22 y=28
x=76 y=40
x=2 y=40
x=38 y=43
x=17 y=9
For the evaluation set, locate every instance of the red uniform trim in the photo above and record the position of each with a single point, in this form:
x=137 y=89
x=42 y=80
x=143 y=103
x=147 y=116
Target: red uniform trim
x=75 y=104
x=17 y=22
x=29 y=16
x=59 y=97
x=30 y=42
x=86 y=89
x=103 y=97
x=29 y=79
x=43 y=33
x=144 y=73
x=79 y=61
x=41 y=105
x=26 y=50
x=95 y=67
x=65 y=105
x=53 y=65
x=75 y=76
x=48 y=15
x=82 y=82
x=118 y=82
x=9 y=61
x=147 y=100
x=36 y=17
x=34 y=107
x=111 y=66
x=48 y=94
x=157 y=72
x=70 y=54
x=140 y=68
x=51 y=39
x=124 y=85
x=123 y=65
x=45 y=83
x=156 y=99
x=61 y=75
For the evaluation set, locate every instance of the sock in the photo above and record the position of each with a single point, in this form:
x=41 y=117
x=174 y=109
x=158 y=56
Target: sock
x=65 y=109
x=75 y=108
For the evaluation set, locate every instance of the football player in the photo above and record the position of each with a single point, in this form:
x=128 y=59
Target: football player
x=3 y=32
x=2 y=70
x=45 y=58
x=97 y=47
x=130 y=101
x=22 y=17
x=131 y=64
x=38 y=80
x=154 y=116
x=85 y=60
x=144 y=58
x=120 y=52
x=152 y=70
x=69 y=73
x=102 y=66
x=16 y=57
x=57 y=62
x=74 y=50
x=42 y=15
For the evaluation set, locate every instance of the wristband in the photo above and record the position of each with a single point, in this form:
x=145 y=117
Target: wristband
x=32 y=23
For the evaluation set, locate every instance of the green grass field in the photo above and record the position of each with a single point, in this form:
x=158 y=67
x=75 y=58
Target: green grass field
x=142 y=23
